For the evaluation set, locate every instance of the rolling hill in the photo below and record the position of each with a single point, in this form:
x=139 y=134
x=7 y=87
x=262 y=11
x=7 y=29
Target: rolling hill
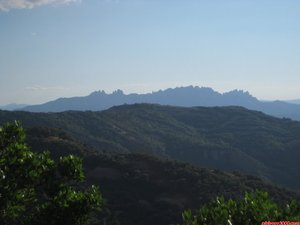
x=143 y=190
x=226 y=138
x=183 y=96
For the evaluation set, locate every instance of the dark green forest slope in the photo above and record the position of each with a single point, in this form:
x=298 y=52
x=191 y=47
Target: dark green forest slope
x=228 y=138
x=139 y=189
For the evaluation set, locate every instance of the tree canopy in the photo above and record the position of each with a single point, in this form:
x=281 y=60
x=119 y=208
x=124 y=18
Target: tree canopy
x=35 y=189
x=254 y=208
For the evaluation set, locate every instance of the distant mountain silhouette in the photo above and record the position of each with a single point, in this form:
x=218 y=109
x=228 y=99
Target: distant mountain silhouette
x=180 y=96
x=296 y=101
x=12 y=106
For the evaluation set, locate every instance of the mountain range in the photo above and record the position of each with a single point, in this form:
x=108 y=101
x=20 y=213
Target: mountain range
x=152 y=161
x=180 y=96
x=13 y=106
x=226 y=138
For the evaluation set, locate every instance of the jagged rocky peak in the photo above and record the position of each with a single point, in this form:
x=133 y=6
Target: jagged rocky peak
x=239 y=93
x=98 y=93
x=118 y=92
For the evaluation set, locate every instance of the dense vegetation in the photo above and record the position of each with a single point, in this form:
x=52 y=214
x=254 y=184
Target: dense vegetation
x=227 y=138
x=35 y=190
x=139 y=189
x=254 y=208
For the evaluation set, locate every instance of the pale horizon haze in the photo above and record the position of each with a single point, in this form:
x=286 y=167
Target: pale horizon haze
x=65 y=48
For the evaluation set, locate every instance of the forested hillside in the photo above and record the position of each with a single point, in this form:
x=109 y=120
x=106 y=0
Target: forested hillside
x=144 y=190
x=229 y=138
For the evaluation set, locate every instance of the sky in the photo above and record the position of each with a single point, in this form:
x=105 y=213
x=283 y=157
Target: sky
x=64 y=48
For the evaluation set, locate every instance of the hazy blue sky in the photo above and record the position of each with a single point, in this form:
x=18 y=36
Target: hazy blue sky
x=53 y=48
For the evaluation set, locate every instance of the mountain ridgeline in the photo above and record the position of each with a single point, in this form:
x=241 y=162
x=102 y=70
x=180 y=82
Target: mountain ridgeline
x=183 y=96
x=227 y=138
x=12 y=106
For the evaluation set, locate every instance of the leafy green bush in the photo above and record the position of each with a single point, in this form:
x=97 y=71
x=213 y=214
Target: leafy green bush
x=34 y=189
x=255 y=208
